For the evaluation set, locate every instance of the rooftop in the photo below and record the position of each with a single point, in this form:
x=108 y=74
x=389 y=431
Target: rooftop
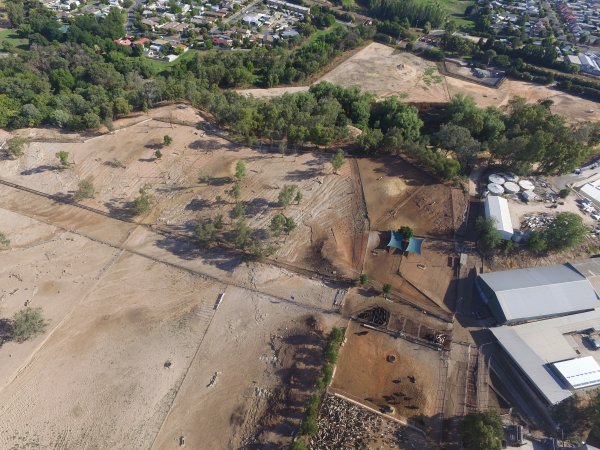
x=535 y=346
x=580 y=372
x=541 y=291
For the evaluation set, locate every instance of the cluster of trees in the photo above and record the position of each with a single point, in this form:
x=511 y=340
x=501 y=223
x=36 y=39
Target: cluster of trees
x=415 y=12
x=309 y=425
x=267 y=67
x=76 y=77
x=577 y=417
x=528 y=136
x=565 y=232
x=482 y=431
x=529 y=62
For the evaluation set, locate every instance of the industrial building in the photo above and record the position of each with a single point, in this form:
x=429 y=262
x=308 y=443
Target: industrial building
x=497 y=208
x=535 y=293
x=551 y=354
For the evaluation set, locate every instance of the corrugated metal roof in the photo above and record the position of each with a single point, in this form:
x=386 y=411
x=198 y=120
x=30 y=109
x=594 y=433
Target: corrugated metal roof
x=541 y=291
x=580 y=372
x=531 y=364
x=497 y=208
x=589 y=268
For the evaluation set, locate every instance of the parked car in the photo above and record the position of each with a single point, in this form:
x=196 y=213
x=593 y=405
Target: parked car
x=593 y=342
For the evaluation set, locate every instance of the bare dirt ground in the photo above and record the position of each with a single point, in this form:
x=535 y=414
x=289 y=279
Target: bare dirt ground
x=364 y=373
x=127 y=325
x=135 y=355
x=399 y=194
x=329 y=218
x=133 y=339
x=386 y=72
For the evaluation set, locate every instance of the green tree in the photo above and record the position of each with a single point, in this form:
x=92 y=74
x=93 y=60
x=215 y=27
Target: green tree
x=14 y=146
x=143 y=201
x=287 y=194
x=387 y=289
x=370 y=140
x=489 y=236
x=167 y=140
x=235 y=191
x=63 y=158
x=299 y=445
x=363 y=279
x=566 y=231
x=458 y=139
x=406 y=232
x=290 y=225
x=238 y=210
x=277 y=224
x=240 y=170
x=4 y=241
x=298 y=197
x=27 y=323
x=158 y=154
x=206 y=233
x=85 y=189
x=482 y=431
x=537 y=242
x=338 y=160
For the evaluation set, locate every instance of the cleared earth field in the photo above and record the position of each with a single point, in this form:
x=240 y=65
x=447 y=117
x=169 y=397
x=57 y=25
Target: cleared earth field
x=386 y=71
x=191 y=180
x=128 y=326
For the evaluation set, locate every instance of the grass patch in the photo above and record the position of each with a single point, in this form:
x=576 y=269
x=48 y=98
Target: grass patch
x=456 y=9
x=161 y=66
x=10 y=36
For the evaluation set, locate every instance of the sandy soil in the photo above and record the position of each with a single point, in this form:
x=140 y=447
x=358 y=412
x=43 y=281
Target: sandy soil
x=386 y=72
x=97 y=377
x=399 y=194
x=364 y=373
x=252 y=333
x=325 y=236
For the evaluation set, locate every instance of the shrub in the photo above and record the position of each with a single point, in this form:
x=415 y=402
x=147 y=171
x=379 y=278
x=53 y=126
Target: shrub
x=85 y=189
x=27 y=324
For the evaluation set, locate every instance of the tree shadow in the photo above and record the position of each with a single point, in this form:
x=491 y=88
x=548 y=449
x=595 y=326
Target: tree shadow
x=257 y=206
x=6 y=330
x=40 y=169
x=188 y=250
x=219 y=181
x=198 y=204
x=301 y=175
x=119 y=209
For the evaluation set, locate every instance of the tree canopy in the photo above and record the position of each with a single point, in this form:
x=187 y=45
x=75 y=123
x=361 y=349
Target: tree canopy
x=482 y=431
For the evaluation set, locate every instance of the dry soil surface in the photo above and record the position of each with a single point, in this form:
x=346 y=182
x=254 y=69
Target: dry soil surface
x=386 y=71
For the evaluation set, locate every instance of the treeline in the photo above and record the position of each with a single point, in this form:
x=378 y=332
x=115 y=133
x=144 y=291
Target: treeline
x=267 y=67
x=80 y=79
x=444 y=143
x=418 y=13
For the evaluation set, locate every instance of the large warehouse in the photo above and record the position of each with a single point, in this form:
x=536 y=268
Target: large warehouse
x=551 y=354
x=515 y=296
